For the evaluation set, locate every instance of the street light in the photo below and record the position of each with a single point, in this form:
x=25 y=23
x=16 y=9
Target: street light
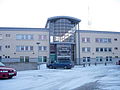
x=38 y=43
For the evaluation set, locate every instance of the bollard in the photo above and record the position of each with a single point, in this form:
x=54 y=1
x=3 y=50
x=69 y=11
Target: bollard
x=89 y=64
x=95 y=63
x=105 y=63
x=84 y=65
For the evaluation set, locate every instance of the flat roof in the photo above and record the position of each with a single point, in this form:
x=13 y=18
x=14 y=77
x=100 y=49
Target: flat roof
x=97 y=31
x=22 y=29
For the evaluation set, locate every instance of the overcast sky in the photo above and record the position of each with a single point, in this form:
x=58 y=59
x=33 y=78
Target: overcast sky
x=103 y=15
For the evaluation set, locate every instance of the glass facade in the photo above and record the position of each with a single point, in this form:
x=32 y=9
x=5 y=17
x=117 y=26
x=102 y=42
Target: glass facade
x=62 y=37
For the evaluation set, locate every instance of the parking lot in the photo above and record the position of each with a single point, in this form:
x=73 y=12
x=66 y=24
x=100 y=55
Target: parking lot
x=92 y=77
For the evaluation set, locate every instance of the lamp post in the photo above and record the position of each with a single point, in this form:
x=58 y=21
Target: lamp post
x=38 y=43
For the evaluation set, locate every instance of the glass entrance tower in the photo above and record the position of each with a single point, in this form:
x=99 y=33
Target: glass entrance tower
x=62 y=37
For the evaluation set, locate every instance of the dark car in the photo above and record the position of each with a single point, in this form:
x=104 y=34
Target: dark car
x=6 y=72
x=66 y=64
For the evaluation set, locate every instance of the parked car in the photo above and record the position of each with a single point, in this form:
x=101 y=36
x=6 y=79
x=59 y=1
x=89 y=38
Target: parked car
x=66 y=64
x=6 y=72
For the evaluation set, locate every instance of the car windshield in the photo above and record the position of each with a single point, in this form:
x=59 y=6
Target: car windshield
x=64 y=61
x=1 y=64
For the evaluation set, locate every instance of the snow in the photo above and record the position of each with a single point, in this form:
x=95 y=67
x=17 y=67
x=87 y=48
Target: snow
x=64 y=79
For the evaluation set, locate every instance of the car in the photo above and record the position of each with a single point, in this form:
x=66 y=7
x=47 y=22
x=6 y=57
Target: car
x=66 y=64
x=6 y=72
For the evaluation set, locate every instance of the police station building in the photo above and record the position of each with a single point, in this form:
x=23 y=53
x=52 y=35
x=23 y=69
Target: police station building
x=61 y=39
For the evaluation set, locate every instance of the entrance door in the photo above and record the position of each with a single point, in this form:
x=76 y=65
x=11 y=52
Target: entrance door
x=52 y=57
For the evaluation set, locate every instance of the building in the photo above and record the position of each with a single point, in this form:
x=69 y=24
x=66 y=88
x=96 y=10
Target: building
x=97 y=46
x=24 y=44
x=61 y=39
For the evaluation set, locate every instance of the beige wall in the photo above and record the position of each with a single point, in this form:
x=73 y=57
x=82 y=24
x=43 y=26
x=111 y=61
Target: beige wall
x=13 y=43
x=93 y=54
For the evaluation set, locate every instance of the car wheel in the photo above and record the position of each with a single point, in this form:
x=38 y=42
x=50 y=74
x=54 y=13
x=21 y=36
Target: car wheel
x=10 y=77
x=65 y=67
x=51 y=67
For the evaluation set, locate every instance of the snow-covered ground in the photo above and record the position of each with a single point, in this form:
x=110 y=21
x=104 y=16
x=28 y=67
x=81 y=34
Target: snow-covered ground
x=92 y=77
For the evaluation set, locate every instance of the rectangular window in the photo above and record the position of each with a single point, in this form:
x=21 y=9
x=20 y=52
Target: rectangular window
x=40 y=48
x=108 y=58
x=7 y=46
x=106 y=49
x=0 y=58
x=109 y=49
x=103 y=40
x=85 y=40
x=42 y=37
x=39 y=58
x=86 y=49
x=1 y=37
x=97 y=49
x=86 y=59
x=44 y=48
x=44 y=58
x=21 y=58
x=31 y=48
x=99 y=59
x=7 y=35
x=24 y=37
x=0 y=48
x=24 y=48
x=26 y=58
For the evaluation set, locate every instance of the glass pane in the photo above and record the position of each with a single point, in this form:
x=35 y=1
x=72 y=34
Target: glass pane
x=39 y=58
x=21 y=58
x=44 y=58
x=26 y=58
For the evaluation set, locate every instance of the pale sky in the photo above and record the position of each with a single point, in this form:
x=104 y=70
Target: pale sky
x=103 y=15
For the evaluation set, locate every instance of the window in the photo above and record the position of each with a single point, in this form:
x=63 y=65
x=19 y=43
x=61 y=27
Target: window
x=116 y=56
x=0 y=48
x=116 y=48
x=86 y=49
x=24 y=58
x=42 y=59
x=115 y=39
x=108 y=58
x=85 y=40
x=24 y=37
x=0 y=58
x=97 y=49
x=106 y=49
x=42 y=48
x=7 y=35
x=21 y=58
x=42 y=37
x=101 y=49
x=109 y=49
x=1 y=37
x=24 y=48
x=31 y=48
x=7 y=46
x=99 y=59
x=86 y=59
x=103 y=40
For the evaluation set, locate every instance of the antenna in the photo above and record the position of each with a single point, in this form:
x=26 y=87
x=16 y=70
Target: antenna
x=89 y=16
